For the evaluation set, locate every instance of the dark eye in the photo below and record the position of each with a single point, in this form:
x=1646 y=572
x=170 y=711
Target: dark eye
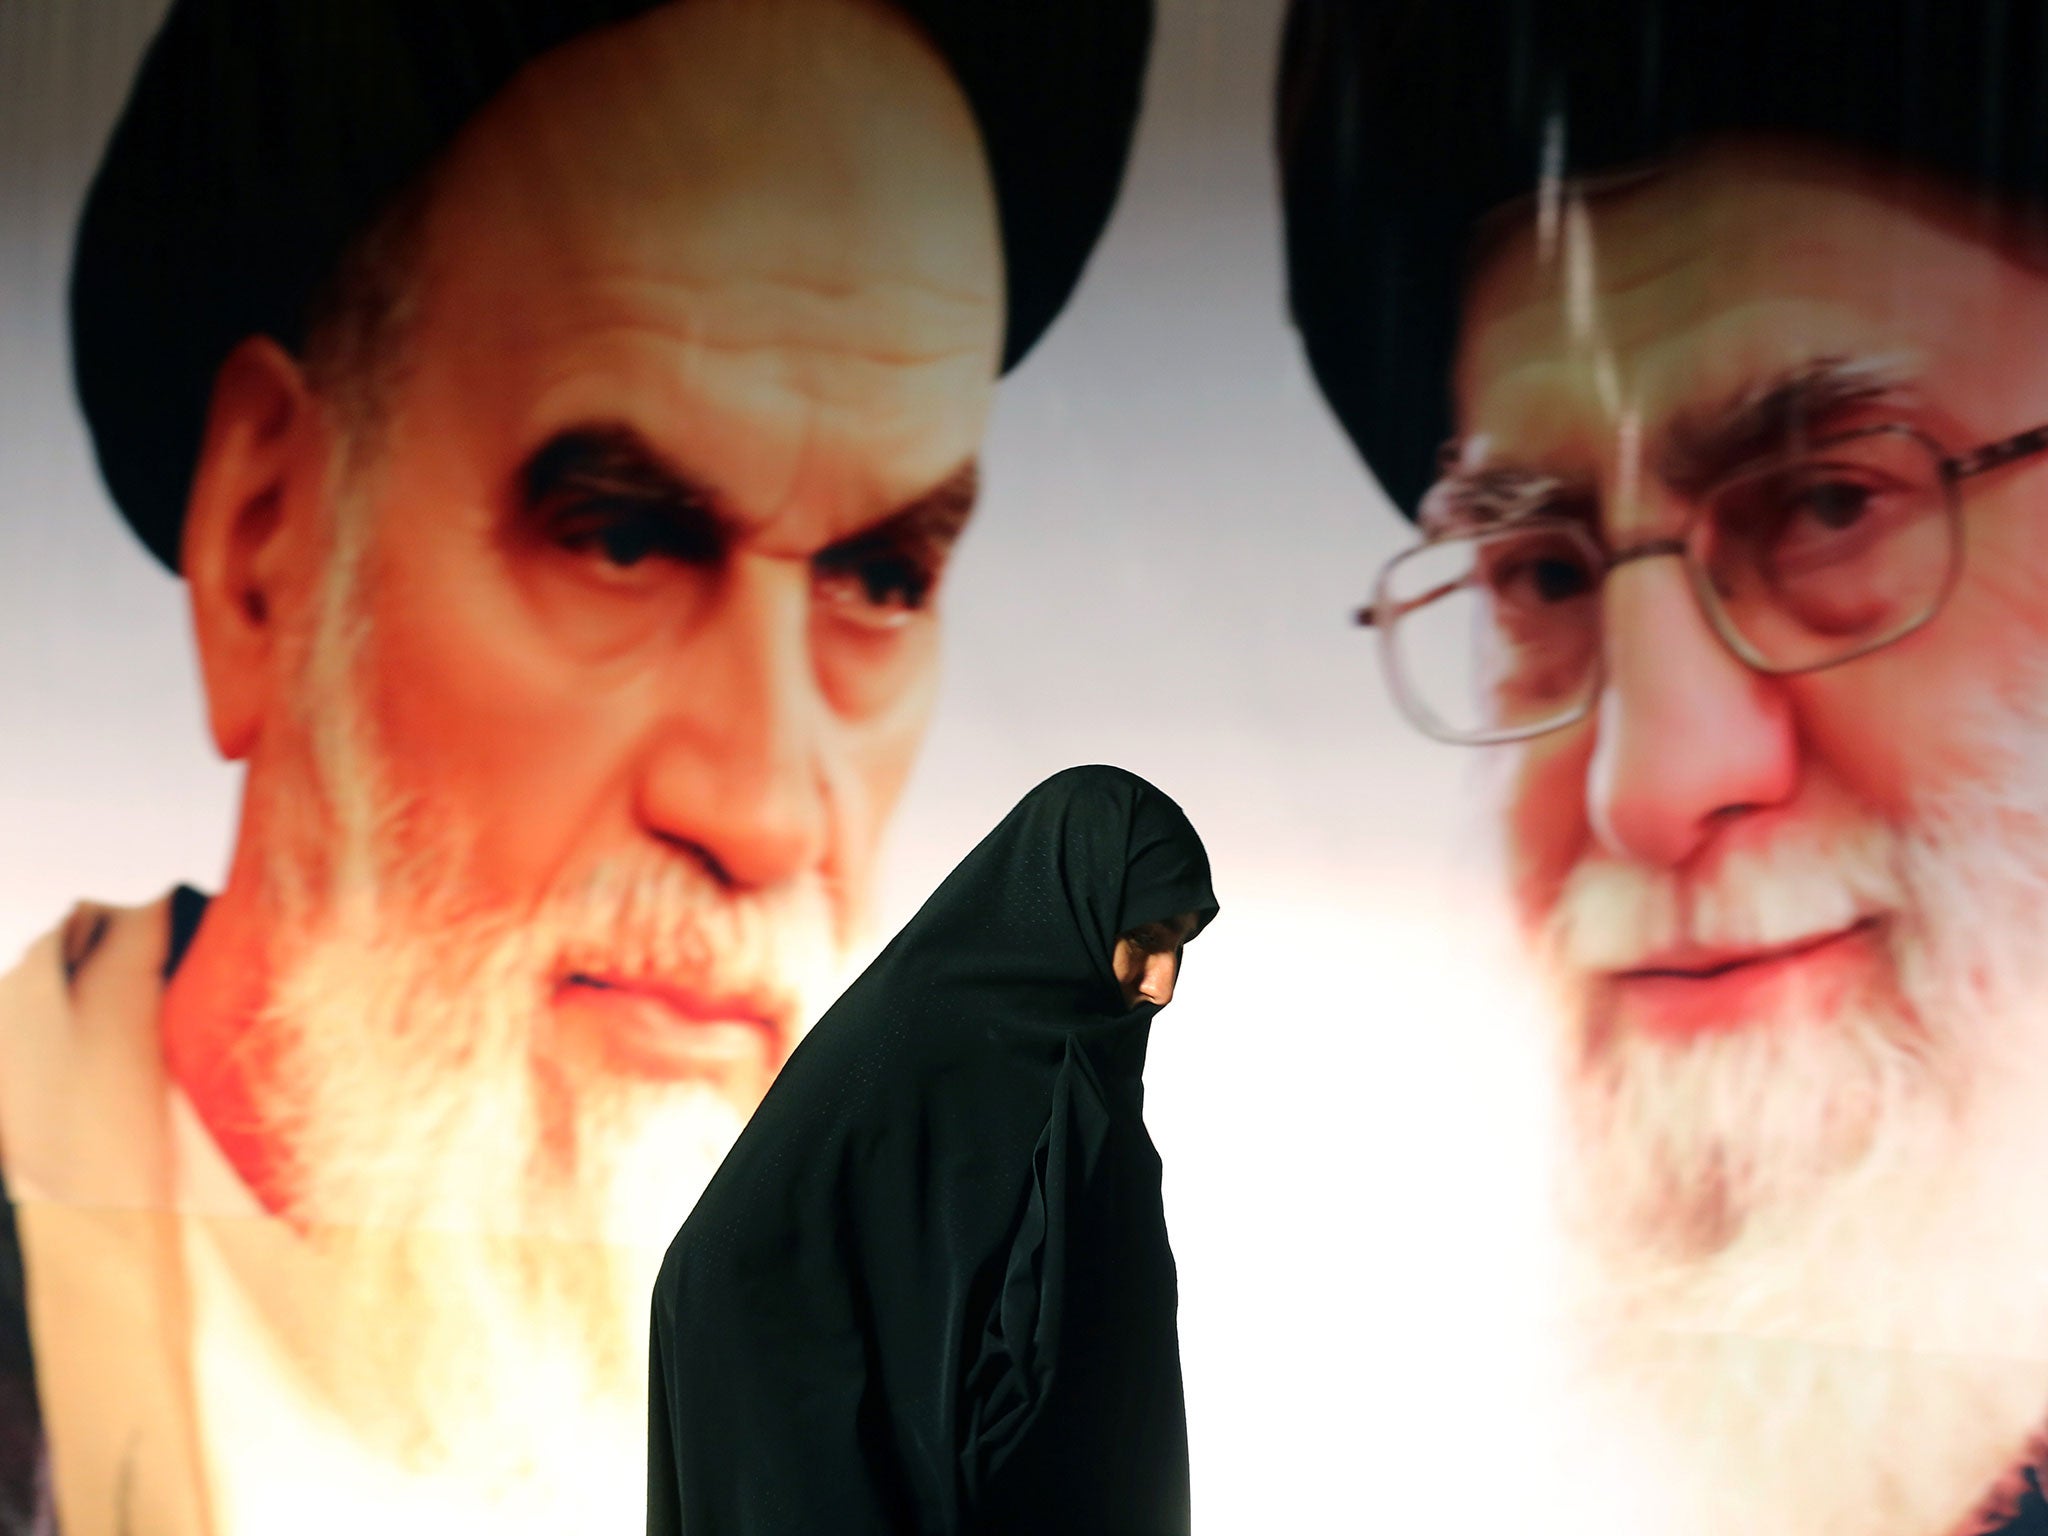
x=1813 y=518
x=1805 y=502
x=627 y=541
x=626 y=534
x=881 y=589
x=1834 y=504
x=1540 y=575
x=897 y=582
x=1555 y=581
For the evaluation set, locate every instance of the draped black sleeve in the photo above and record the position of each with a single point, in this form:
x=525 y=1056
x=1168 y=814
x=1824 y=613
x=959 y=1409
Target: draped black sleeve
x=1076 y=1420
x=930 y=1289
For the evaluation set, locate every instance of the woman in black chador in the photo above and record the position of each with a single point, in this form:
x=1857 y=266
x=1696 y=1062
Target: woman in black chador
x=930 y=1290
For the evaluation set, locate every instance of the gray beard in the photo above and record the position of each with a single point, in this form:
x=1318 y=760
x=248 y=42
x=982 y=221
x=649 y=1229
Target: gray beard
x=485 y=1200
x=1813 y=1301
x=487 y=1233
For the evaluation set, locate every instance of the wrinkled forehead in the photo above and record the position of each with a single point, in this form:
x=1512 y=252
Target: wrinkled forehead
x=1636 y=303
x=799 y=158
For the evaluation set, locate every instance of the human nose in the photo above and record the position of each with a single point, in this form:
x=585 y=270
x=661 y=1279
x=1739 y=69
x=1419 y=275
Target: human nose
x=1160 y=973
x=1686 y=735
x=738 y=775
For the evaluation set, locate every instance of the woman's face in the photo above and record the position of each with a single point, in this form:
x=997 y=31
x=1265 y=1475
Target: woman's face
x=1148 y=958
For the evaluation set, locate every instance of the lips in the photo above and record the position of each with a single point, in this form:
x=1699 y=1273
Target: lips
x=1682 y=994
x=655 y=1028
x=1698 y=963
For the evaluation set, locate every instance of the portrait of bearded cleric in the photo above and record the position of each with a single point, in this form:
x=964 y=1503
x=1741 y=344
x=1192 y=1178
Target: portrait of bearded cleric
x=1705 y=348
x=560 y=414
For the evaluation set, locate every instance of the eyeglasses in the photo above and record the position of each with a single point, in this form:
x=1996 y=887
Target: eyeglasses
x=1801 y=563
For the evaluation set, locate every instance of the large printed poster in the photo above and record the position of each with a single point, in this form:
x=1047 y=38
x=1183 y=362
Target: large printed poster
x=537 y=531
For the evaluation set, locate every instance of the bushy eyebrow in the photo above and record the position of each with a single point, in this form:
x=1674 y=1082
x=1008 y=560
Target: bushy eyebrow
x=1700 y=446
x=610 y=461
x=1773 y=416
x=933 y=521
x=1465 y=499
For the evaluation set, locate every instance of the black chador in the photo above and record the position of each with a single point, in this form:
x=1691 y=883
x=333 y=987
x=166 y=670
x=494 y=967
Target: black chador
x=930 y=1290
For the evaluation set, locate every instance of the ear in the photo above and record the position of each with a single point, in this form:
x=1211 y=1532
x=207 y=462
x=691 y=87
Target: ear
x=254 y=534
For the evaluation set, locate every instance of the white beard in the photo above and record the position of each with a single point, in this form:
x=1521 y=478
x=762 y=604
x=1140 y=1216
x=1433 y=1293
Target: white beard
x=487 y=1198
x=1815 y=1295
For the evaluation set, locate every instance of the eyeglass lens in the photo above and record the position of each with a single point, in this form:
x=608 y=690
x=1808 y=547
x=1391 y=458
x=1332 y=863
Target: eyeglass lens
x=1810 y=560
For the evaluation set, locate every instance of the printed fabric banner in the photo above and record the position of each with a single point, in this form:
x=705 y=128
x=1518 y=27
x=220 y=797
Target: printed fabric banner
x=537 y=532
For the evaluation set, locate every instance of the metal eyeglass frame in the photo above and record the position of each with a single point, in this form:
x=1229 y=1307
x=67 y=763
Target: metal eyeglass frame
x=1953 y=469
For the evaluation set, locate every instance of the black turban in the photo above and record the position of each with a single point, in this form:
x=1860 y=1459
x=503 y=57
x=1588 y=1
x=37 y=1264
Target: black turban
x=1403 y=122
x=263 y=135
x=930 y=1288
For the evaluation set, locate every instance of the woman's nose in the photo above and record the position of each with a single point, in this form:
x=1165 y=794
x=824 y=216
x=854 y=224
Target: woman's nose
x=1159 y=977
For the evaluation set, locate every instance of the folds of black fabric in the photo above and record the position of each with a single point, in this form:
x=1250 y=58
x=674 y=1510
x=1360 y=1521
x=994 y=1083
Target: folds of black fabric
x=930 y=1289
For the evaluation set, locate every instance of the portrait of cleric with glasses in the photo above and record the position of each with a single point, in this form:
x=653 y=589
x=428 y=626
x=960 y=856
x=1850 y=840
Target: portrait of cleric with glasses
x=1707 y=350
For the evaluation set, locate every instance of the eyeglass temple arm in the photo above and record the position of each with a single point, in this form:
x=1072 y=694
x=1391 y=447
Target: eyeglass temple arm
x=2021 y=445
x=1369 y=615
